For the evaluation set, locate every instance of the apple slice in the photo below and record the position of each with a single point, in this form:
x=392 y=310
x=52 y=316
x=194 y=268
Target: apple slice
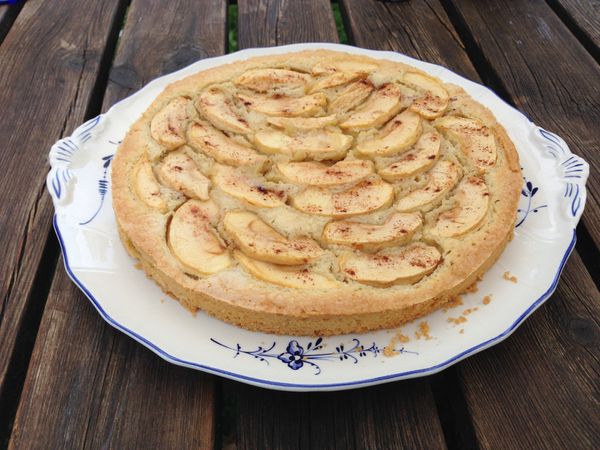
x=260 y=241
x=239 y=185
x=319 y=145
x=223 y=149
x=475 y=140
x=420 y=159
x=168 y=125
x=217 y=108
x=397 y=135
x=351 y=97
x=303 y=123
x=179 y=172
x=147 y=187
x=368 y=195
x=299 y=277
x=441 y=179
x=346 y=65
x=193 y=240
x=382 y=105
x=335 y=79
x=434 y=101
x=317 y=174
x=282 y=105
x=397 y=229
x=408 y=266
x=262 y=80
x=472 y=202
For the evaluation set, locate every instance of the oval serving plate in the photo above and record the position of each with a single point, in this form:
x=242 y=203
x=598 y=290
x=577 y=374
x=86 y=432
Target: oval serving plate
x=552 y=201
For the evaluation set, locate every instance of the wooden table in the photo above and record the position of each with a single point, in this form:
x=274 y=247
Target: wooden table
x=69 y=380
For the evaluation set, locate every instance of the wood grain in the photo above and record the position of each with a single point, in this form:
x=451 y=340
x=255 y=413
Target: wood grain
x=399 y=415
x=50 y=63
x=547 y=74
x=550 y=343
x=264 y=23
x=392 y=416
x=540 y=388
x=110 y=391
x=583 y=18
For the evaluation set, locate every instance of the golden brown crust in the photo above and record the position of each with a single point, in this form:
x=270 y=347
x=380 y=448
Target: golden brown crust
x=238 y=297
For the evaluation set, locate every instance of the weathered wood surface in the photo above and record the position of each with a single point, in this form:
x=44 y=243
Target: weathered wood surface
x=393 y=416
x=567 y=325
x=546 y=72
x=264 y=23
x=112 y=392
x=540 y=388
x=48 y=72
x=583 y=18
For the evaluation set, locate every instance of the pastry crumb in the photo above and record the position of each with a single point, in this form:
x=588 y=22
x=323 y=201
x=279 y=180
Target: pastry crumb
x=487 y=299
x=457 y=320
x=453 y=303
x=138 y=266
x=423 y=331
x=508 y=277
x=390 y=349
x=462 y=331
x=472 y=289
x=468 y=311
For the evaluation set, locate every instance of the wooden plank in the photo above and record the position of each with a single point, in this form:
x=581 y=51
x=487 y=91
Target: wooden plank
x=50 y=63
x=583 y=18
x=540 y=388
x=400 y=415
x=551 y=331
x=390 y=416
x=264 y=23
x=547 y=74
x=113 y=392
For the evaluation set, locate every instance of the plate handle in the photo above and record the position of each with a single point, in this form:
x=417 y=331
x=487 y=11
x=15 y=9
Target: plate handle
x=572 y=172
x=63 y=154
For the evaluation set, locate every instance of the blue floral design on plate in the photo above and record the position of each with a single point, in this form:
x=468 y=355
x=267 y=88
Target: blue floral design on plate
x=296 y=356
x=528 y=191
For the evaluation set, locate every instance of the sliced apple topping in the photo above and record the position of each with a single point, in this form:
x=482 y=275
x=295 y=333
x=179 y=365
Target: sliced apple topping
x=397 y=229
x=408 y=266
x=440 y=180
x=397 y=135
x=434 y=101
x=147 y=187
x=348 y=65
x=335 y=79
x=351 y=97
x=179 y=172
x=218 y=109
x=168 y=125
x=193 y=240
x=243 y=187
x=317 y=174
x=368 y=195
x=421 y=158
x=223 y=149
x=319 y=145
x=383 y=104
x=299 y=277
x=260 y=241
x=475 y=140
x=262 y=80
x=303 y=123
x=472 y=202
x=282 y=105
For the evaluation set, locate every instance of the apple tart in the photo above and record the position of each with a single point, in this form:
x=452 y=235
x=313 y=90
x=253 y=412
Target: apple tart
x=315 y=193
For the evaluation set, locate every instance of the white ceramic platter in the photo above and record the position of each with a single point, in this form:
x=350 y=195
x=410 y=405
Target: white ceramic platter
x=552 y=201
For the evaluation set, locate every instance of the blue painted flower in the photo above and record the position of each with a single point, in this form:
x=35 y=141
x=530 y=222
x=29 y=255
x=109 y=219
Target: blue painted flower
x=293 y=356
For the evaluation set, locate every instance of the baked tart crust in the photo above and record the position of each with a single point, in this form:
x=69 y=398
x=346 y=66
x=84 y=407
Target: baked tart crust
x=315 y=193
